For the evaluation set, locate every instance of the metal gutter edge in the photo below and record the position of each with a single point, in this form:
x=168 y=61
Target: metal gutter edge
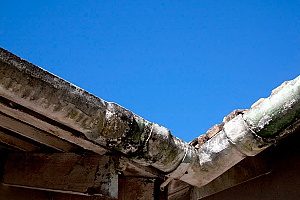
x=245 y=135
x=117 y=129
x=221 y=152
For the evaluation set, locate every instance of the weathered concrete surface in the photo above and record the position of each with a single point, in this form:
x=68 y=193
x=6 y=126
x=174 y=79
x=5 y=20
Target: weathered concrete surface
x=282 y=183
x=114 y=128
x=228 y=147
x=268 y=117
x=103 y=123
x=249 y=168
x=247 y=134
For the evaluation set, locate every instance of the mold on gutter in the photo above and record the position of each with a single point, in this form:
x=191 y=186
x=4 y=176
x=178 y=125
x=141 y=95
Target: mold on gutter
x=116 y=129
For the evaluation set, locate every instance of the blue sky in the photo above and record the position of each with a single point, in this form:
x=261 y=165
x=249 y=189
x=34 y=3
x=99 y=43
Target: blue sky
x=182 y=64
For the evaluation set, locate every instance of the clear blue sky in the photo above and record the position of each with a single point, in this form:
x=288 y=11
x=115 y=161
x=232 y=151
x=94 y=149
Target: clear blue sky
x=182 y=64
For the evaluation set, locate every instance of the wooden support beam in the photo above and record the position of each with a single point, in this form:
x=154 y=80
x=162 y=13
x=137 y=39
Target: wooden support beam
x=136 y=188
x=34 y=133
x=247 y=169
x=139 y=188
x=63 y=172
x=16 y=142
x=17 y=193
x=50 y=129
x=178 y=190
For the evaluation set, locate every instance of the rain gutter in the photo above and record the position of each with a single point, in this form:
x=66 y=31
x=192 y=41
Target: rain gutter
x=119 y=130
x=266 y=122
